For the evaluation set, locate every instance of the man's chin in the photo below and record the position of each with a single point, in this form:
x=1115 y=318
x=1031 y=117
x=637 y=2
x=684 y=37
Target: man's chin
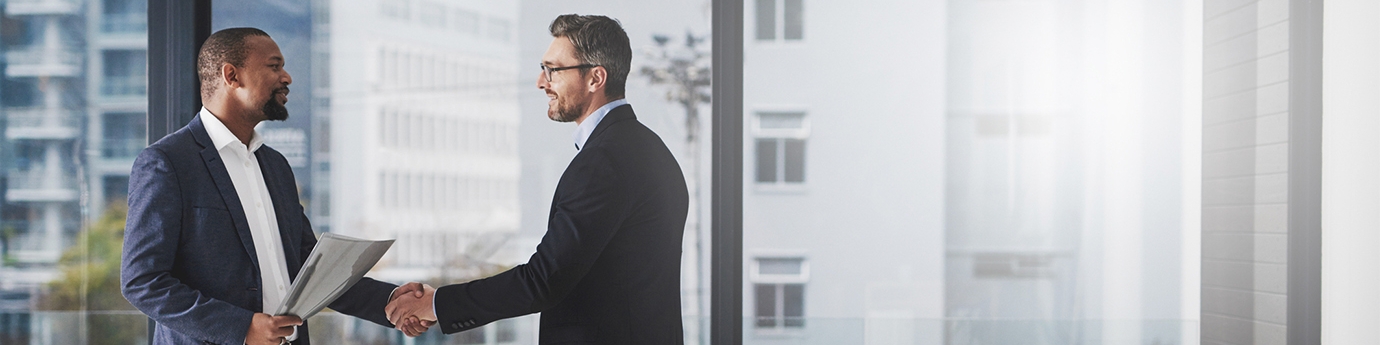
x=278 y=113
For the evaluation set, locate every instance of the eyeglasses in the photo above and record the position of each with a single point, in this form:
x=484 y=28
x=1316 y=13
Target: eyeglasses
x=551 y=70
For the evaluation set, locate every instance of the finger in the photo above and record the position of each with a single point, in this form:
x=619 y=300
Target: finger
x=408 y=327
x=394 y=310
x=421 y=326
x=397 y=317
x=412 y=287
x=286 y=320
x=417 y=289
x=281 y=332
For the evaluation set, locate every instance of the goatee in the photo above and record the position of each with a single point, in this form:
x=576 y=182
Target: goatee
x=275 y=111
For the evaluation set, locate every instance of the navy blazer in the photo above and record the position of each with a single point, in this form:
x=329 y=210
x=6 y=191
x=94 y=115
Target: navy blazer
x=189 y=261
x=608 y=269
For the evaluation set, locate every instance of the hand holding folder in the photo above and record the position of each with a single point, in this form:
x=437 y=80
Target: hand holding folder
x=335 y=265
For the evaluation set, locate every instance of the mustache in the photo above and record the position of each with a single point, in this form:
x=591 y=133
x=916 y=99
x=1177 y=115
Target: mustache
x=283 y=90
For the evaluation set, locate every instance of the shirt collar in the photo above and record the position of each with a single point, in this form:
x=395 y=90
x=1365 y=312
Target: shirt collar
x=221 y=135
x=587 y=127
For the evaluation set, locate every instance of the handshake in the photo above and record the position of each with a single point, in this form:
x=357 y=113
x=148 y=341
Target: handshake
x=410 y=309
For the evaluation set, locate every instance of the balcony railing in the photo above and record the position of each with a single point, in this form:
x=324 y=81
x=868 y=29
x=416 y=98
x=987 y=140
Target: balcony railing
x=42 y=123
x=121 y=148
x=136 y=85
x=125 y=22
x=42 y=7
x=41 y=179
x=63 y=61
x=44 y=55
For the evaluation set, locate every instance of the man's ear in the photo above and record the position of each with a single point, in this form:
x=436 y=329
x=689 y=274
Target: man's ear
x=598 y=78
x=230 y=75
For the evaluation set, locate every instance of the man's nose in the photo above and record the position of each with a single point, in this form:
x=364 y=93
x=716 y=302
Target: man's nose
x=287 y=78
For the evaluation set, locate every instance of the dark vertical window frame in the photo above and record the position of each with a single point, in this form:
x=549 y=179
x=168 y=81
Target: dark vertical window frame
x=176 y=29
x=1304 y=313
x=726 y=205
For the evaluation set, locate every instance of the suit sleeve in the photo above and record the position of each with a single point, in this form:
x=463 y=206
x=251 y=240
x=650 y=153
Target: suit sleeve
x=366 y=300
x=590 y=207
x=152 y=232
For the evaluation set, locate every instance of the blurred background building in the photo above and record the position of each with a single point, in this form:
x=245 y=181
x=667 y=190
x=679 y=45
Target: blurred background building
x=915 y=172
x=74 y=100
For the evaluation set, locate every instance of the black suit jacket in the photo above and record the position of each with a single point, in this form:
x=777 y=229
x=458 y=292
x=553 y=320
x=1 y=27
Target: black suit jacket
x=189 y=260
x=608 y=269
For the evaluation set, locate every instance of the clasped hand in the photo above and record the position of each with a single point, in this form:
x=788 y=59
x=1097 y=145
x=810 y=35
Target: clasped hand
x=410 y=309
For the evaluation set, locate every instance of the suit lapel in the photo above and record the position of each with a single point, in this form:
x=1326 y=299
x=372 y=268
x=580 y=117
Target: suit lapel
x=216 y=166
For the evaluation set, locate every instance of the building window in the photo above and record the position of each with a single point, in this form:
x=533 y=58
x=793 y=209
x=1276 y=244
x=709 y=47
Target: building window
x=779 y=293
x=125 y=16
x=122 y=134
x=780 y=148
x=780 y=20
x=126 y=73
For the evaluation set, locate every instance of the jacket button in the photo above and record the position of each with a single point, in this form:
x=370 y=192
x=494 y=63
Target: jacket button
x=455 y=325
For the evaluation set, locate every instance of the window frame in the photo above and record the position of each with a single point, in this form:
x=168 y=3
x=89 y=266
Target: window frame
x=781 y=135
x=779 y=281
x=779 y=22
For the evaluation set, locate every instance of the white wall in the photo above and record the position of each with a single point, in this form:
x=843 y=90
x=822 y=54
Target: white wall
x=1351 y=173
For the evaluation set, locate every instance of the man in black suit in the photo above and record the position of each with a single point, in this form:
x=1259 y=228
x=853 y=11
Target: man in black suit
x=608 y=269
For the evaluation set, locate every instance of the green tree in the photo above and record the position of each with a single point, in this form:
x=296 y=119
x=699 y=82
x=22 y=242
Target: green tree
x=89 y=282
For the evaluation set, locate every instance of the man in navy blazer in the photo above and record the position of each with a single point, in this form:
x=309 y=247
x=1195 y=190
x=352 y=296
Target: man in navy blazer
x=608 y=269
x=215 y=228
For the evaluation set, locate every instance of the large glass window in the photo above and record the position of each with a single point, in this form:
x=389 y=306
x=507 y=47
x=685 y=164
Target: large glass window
x=421 y=121
x=66 y=155
x=978 y=172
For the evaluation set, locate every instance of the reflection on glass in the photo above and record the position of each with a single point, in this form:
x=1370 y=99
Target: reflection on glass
x=421 y=122
x=73 y=102
x=1017 y=180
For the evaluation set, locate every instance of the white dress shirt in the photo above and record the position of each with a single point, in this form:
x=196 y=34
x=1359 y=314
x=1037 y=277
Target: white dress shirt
x=248 y=179
x=587 y=127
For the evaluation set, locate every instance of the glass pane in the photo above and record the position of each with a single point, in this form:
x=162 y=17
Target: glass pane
x=794 y=161
x=125 y=16
x=794 y=11
x=125 y=73
x=793 y=305
x=421 y=121
x=976 y=172
x=766 y=160
x=764 y=298
x=73 y=100
x=766 y=20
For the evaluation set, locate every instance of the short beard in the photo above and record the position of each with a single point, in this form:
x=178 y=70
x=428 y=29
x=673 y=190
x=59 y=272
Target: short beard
x=274 y=111
x=566 y=112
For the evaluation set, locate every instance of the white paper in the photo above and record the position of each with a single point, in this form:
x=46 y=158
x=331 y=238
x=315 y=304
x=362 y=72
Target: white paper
x=335 y=265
